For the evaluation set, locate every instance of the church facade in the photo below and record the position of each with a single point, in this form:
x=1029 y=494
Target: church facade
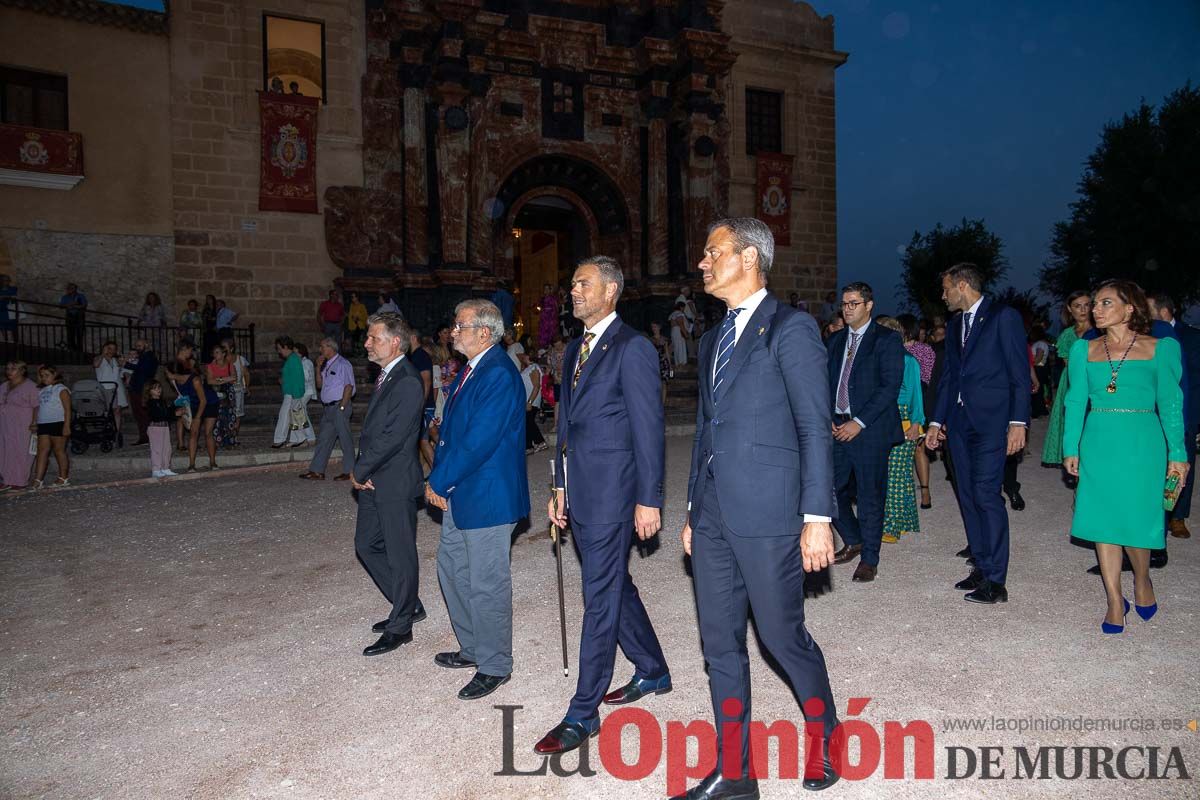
x=462 y=143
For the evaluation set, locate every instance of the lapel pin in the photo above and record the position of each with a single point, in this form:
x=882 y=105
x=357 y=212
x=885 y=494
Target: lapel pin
x=762 y=330
x=604 y=347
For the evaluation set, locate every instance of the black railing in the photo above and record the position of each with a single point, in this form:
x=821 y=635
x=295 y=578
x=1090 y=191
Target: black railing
x=44 y=336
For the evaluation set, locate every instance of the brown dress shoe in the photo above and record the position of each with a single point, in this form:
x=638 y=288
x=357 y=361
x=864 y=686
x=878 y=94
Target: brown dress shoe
x=847 y=553
x=312 y=476
x=1179 y=529
x=345 y=476
x=865 y=573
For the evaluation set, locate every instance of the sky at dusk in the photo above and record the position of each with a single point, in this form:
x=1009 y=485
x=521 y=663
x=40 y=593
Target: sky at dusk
x=985 y=109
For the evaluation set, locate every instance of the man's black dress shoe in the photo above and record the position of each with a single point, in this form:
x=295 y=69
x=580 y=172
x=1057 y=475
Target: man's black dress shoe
x=482 y=685
x=387 y=643
x=971 y=582
x=567 y=735
x=718 y=787
x=988 y=593
x=1158 y=559
x=1016 y=501
x=848 y=552
x=828 y=778
x=381 y=626
x=453 y=660
x=637 y=688
x=864 y=573
x=964 y=553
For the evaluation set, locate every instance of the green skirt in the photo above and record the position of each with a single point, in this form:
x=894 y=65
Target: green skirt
x=900 y=507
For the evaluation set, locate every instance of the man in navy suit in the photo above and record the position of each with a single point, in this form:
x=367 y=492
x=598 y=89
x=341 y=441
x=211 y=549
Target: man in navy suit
x=1162 y=307
x=609 y=479
x=866 y=368
x=479 y=482
x=760 y=499
x=983 y=403
x=387 y=481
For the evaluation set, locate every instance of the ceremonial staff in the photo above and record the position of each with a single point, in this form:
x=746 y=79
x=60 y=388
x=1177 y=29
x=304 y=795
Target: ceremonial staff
x=556 y=537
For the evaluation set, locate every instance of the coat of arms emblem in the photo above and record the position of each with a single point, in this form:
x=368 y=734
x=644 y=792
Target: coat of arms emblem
x=289 y=153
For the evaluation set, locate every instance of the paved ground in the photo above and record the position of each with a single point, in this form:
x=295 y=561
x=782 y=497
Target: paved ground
x=201 y=639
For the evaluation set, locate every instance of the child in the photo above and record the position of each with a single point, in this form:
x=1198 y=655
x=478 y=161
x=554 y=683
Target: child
x=53 y=425
x=161 y=413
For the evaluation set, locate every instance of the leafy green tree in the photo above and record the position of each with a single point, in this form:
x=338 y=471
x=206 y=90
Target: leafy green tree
x=1137 y=215
x=930 y=254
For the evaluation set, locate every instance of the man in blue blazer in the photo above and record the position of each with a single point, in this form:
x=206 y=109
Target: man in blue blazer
x=866 y=368
x=760 y=499
x=983 y=403
x=609 y=474
x=479 y=482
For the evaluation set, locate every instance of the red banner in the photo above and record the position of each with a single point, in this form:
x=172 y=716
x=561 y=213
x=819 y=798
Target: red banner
x=775 y=195
x=41 y=150
x=288 y=176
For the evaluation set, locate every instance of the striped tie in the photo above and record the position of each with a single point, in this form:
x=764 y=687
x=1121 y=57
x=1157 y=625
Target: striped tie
x=584 y=351
x=843 y=391
x=724 y=348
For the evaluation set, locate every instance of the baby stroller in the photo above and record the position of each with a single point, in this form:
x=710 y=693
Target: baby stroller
x=92 y=415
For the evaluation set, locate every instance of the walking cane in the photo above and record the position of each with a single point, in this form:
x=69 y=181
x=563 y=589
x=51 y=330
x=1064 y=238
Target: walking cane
x=556 y=535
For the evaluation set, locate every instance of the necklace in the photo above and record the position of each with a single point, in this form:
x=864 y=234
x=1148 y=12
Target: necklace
x=1112 y=384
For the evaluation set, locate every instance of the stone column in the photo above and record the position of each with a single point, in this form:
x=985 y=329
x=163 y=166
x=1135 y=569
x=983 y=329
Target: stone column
x=416 y=191
x=659 y=233
x=454 y=181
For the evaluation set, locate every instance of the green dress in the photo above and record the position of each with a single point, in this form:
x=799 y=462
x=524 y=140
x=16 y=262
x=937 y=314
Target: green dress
x=900 y=507
x=1052 y=449
x=1123 y=444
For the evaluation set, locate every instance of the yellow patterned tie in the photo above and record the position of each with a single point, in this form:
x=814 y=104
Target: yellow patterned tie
x=584 y=352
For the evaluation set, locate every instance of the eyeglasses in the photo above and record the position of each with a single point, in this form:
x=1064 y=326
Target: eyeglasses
x=853 y=304
x=458 y=326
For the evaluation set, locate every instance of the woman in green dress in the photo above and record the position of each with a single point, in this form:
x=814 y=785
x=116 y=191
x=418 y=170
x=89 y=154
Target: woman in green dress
x=900 y=507
x=1079 y=307
x=1124 y=447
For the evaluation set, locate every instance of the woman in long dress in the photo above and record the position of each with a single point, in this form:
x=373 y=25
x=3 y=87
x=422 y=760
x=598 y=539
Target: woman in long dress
x=680 y=330
x=1123 y=438
x=548 y=322
x=900 y=506
x=1079 y=307
x=18 y=421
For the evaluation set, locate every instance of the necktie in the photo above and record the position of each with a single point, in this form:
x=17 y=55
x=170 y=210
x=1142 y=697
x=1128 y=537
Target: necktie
x=466 y=374
x=966 y=326
x=584 y=351
x=725 y=344
x=843 y=392
x=380 y=378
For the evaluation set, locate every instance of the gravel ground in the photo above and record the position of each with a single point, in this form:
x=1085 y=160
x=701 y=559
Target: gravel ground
x=202 y=639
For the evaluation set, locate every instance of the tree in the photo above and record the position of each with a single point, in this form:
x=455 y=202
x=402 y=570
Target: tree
x=1033 y=310
x=1137 y=215
x=930 y=254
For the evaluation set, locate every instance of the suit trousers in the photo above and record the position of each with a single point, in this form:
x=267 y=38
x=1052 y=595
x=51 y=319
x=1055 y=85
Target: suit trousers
x=385 y=539
x=1183 y=508
x=335 y=426
x=476 y=579
x=764 y=574
x=860 y=476
x=613 y=614
x=979 y=459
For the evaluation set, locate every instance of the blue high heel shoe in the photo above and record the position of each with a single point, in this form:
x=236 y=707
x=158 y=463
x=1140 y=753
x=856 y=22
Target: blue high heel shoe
x=1146 y=612
x=1108 y=627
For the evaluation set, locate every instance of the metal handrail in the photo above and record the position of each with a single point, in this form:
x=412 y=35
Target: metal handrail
x=21 y=301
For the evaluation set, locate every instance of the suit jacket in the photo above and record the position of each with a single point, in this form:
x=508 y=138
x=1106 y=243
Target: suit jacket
x=480 y=460
x=1189 y=343
x=611 y=426
x=991 y=371
x=875 y=378
x=769 y=435
x=387 y=444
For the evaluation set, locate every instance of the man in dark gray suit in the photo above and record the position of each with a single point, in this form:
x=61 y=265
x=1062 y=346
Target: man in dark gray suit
x=387 y=480
x=760 y=499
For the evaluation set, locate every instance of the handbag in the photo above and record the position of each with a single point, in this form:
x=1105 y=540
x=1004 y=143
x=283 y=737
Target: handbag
x=297 y=417
x=1171 y=491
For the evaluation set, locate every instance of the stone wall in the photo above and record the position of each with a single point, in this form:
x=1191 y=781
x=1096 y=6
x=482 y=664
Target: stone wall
x=115 y=271
x=272 y=267
x=787 y=47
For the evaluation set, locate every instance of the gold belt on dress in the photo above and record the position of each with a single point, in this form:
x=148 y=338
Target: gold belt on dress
x=1123 y=410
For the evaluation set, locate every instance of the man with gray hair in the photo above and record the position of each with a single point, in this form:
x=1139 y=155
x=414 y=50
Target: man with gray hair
x=335 y=382
x=479 y=483
x=387 y=480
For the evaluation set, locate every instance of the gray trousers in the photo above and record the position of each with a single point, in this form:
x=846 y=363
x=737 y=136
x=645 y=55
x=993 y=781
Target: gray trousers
x=476 y=580
x=335 y=425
